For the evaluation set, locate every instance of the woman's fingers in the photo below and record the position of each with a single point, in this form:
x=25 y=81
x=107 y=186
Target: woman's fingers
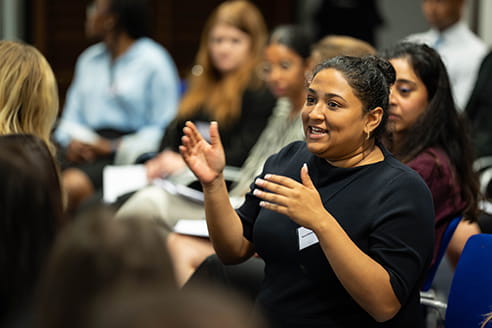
x=305 y=178
x=272 y=181
x=214 y=135
x=191 y=131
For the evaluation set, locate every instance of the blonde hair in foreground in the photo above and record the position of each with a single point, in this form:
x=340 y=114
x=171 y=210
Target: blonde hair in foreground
x=28 y=92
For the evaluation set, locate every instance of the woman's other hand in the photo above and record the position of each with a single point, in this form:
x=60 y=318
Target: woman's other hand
x=299 y=201
x=206 y=160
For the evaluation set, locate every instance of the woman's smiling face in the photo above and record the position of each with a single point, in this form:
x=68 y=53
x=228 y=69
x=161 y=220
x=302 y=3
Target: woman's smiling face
x=335 y=123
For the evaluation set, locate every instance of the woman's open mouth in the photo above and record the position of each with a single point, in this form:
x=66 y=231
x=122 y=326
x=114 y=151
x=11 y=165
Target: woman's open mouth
x=315 y=132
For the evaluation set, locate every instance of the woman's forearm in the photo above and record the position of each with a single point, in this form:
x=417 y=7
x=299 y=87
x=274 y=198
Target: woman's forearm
x=224 y=225
x=364 y=279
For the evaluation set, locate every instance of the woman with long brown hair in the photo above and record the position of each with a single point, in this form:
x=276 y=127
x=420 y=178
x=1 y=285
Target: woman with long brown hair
x=426 y=132
x=224 y=86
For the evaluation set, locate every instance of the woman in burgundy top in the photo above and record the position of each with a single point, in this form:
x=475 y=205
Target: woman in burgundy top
x=427 y=133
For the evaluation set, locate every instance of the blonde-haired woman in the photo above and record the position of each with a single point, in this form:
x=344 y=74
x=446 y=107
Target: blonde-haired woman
x=28 y=92
x=225 y=87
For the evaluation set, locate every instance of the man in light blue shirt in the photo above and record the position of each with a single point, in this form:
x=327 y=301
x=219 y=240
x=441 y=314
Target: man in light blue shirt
x=461 y=50
x=124 y=93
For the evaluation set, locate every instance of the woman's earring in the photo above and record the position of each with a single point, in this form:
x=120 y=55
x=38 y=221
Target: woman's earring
x=368 y=135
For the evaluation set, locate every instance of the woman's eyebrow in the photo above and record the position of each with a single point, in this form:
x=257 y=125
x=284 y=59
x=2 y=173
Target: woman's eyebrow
x=326 y=95
x=405 y=81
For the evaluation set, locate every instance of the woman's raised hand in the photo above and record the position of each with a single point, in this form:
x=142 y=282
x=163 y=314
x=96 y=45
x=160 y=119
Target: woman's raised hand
x=205 y=160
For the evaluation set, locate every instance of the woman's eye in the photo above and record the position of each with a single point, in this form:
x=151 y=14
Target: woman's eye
x=285 y=65
x=404 y=91
x=267 y=68
x=216 y=40
x=310 y=100
x=332 y=104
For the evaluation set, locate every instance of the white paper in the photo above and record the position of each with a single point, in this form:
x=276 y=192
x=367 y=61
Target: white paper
x=307 y=237
x=192 y=227
x=179 y=189
x=121 y=179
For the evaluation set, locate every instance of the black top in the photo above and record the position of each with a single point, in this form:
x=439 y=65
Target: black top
x=385 y=208
x=237 y=138
x=479 y=109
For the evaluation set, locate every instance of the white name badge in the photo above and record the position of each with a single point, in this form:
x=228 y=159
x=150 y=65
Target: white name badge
x=307 y=237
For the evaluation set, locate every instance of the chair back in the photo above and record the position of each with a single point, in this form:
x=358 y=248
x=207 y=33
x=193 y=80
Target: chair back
x=470 y=296
x=443 y=246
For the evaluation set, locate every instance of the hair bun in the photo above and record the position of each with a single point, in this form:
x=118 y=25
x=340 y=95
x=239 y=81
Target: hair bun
x=385 y=68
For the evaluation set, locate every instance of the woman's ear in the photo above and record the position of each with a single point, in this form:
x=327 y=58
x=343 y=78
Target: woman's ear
x=373 y=119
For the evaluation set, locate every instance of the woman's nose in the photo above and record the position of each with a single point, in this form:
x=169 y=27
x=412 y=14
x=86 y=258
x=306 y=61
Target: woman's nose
x=274 y=74
x=392 y=97
x=317 y=111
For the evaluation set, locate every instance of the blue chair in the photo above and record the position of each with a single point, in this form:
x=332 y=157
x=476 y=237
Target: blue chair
x=443 y=246
x=470 y=296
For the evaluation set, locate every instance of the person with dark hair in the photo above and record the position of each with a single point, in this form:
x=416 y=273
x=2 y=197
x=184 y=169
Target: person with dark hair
x=247 y=276
x=345 y=229
x=426 y=132
x=94 y=255
x=124 y=94
x=479 y=110
x=31 y=210
x=479 y=113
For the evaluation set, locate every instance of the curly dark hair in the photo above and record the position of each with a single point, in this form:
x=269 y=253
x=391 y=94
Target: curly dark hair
x=370 y=78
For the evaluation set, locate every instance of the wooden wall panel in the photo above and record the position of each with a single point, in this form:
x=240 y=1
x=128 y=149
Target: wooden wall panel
x=56 y=27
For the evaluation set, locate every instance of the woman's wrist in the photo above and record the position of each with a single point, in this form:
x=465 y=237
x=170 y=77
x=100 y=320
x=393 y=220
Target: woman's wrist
x=214 y=185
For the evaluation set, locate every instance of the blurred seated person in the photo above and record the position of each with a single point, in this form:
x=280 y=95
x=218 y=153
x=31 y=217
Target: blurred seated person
x=94 y=255
x=461 y=50
x=28 y=92
x=426 y=132
x=479 y=110
x=31 y=199
x=225 y=87
x=124 y=94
